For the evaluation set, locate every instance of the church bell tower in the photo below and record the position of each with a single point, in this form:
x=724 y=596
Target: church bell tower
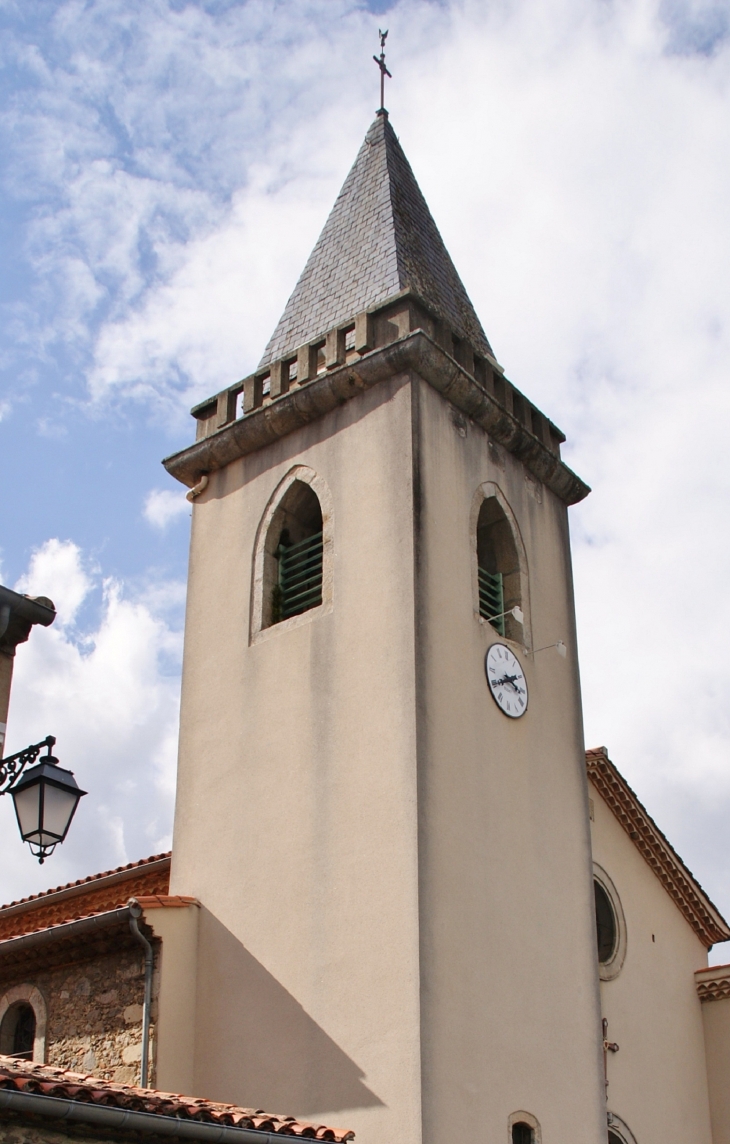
x=381 y=801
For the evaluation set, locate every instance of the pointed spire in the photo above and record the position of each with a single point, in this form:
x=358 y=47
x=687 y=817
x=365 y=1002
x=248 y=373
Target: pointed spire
x=379 y=239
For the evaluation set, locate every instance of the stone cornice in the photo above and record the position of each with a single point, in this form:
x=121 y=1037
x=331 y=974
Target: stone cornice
x=681 y=885
x=417 y=352
x=713 y=983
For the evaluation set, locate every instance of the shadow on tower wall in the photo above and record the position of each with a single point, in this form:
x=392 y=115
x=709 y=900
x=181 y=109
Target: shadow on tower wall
x=255 y=1044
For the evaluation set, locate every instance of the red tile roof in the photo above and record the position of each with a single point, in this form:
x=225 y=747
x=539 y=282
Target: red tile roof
x=656 y=850
x=99 y=892
x=22 y=1076
x=90 y=878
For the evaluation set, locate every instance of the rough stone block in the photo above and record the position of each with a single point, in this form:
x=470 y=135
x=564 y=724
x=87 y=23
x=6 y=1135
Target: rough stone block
x=364 y=340
x=279 y=379
x=249 y=394
x=306 y=366
x=334 y=349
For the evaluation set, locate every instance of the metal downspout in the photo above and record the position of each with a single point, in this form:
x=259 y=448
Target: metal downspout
x=135 y=912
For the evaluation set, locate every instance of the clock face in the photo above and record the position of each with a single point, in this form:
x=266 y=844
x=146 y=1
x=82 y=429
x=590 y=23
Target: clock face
x=506 y=680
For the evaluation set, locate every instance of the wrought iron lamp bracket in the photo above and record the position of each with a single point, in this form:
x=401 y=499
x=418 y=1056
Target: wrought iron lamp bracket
x=12 y=767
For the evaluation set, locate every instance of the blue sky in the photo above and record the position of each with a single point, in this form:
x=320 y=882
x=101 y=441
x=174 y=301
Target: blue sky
x=166 y=168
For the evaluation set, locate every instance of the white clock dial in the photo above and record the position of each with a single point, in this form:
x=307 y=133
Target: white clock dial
x=506 y=680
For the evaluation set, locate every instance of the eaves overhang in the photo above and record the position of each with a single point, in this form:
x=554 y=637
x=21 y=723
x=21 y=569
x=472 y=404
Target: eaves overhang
x=78 y=940
x=679 y=882
x=18 y=614
x=713 y=983
x=417 y=352
x=89 y=1104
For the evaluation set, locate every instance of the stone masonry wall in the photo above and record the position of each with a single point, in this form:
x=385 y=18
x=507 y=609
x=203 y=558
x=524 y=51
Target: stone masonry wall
x=95 y=1014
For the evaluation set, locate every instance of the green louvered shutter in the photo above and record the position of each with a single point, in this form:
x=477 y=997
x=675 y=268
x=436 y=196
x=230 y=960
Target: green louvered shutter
x=300 y=576
x=491 y=598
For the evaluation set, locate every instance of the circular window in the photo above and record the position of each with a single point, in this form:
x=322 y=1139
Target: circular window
x=610 y=925
x=618 y=1131
x=605 y=924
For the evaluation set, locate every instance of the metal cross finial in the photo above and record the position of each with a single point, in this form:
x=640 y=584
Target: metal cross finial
x=383 y=69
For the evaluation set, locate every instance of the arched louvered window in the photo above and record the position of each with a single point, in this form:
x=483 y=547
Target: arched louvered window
x=498 y=568
x=292 y=579
x=295 y=542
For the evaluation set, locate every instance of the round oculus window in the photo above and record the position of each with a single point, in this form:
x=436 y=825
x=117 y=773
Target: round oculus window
x=606 y=930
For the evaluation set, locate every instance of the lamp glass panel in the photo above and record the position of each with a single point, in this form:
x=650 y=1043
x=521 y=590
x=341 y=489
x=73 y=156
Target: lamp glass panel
x=27 y=808
x=58 y=807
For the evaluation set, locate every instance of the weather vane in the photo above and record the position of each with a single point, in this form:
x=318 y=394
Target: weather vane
x=383 y=69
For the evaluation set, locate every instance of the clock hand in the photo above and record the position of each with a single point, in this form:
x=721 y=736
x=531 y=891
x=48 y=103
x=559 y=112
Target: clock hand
x=508 y=679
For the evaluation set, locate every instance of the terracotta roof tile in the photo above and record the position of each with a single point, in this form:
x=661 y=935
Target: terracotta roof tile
x=98 y=893
x=89 y=878
x=656 y=850
x=713 y=983
x=26 y=1077
x=164 y=901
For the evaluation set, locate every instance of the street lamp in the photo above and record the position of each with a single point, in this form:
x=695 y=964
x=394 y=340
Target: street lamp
x=46 y=796
x=45 y=799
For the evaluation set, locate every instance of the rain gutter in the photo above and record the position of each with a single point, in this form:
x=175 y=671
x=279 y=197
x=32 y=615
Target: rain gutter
x=122 y=1119
x=77 y=928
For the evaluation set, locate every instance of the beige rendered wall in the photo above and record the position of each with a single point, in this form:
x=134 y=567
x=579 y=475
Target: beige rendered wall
x=396 y=917
x=177 y=927
x=658 y=1078
x=296 y=807
x=508 y=968
x=716 y=1019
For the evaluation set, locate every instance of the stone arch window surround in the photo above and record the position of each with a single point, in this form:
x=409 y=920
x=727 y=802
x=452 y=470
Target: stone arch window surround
x=264 y=561
x=611 y=967
x=520 y=1118
x=27 y=995
x=520 y=593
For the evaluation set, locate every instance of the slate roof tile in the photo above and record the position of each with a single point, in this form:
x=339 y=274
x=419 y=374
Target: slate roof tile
x=380 y=238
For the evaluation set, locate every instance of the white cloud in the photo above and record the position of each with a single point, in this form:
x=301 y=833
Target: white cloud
x=144 y=163
x=109 y=693
x=591 y=234
x=162 y=506
x=56 y=571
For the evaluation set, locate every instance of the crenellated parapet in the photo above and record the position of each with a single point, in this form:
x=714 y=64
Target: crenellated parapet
x=400 y=334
